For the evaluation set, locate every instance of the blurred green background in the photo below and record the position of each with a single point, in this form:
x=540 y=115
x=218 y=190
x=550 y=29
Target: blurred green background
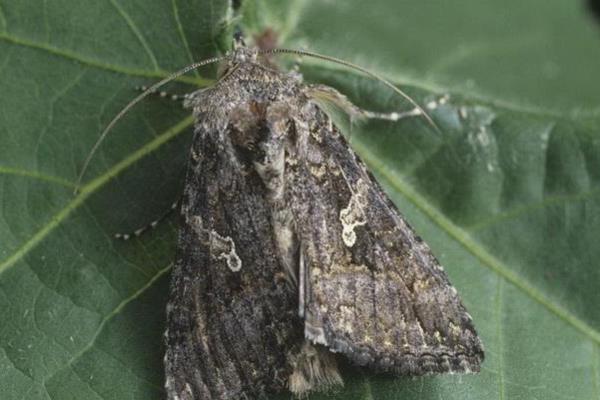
x=507 y=195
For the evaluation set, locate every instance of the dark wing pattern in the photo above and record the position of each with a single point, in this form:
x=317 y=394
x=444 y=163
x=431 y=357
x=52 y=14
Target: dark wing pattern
x=369 y=286
x=232 y=318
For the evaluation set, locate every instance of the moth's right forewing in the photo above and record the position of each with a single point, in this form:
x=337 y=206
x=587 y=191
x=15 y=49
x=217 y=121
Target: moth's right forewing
x=231 y=317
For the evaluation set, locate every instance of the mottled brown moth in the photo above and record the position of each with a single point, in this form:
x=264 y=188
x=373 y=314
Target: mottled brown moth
x=289 y=253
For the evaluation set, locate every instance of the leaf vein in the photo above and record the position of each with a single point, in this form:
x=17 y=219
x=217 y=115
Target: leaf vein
x=72 y=56
x=53 y=101
x=400 y=79
x=2 y=19
x=36 y=175
x=294 y=14
x=131 y=24
x=499 y=300
x=547 y=202
x=26 y=394
x=595 y=369
x=107 y=318
x=477 y=49
x=134 y=266
x=46 y=22
x=128 y=368
x=186 y=45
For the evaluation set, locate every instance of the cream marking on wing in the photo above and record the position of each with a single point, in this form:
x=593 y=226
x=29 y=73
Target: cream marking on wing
x=228 y=254
x=354 y=215
x=188 y=391
x=224 y=245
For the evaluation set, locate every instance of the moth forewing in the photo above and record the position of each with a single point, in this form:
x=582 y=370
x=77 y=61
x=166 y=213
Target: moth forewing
x=377 y=294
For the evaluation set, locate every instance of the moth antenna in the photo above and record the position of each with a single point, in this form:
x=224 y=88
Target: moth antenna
x=133 y=102
x=358 y=68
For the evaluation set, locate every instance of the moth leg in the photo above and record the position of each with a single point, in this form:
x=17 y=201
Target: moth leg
x=164 y=94
x=323 y=92
x=314 y=369
x=138 y=232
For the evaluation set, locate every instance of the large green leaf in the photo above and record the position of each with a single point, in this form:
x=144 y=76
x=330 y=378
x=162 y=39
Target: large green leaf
x=507 y=195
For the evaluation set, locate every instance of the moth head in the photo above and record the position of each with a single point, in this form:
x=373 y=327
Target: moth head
x=242 y=53
x=238 y=40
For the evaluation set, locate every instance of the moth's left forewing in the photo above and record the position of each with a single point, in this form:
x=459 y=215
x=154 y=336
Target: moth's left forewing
x=369 y=286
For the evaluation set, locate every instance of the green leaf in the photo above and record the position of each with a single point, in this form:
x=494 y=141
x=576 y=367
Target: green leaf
x=507 y=195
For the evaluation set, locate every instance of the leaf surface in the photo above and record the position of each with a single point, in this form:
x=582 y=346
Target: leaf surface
x=507 y=194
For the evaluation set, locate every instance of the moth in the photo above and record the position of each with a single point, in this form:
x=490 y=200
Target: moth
x=289 y=253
